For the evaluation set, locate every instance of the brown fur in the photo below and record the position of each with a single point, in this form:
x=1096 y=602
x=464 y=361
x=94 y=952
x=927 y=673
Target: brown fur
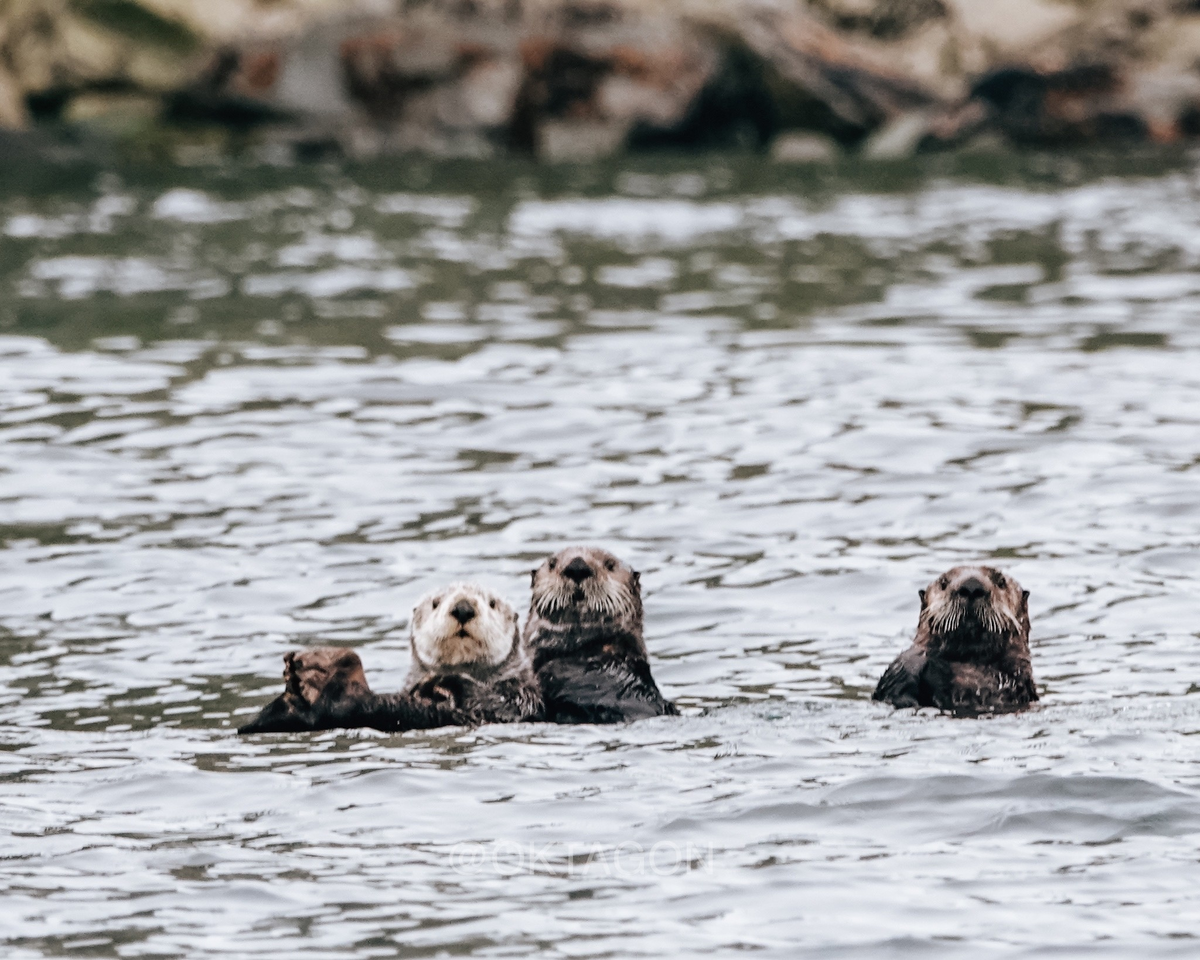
x=306 y=673
x=584 y=633
x=971 y=652
x=469 y=667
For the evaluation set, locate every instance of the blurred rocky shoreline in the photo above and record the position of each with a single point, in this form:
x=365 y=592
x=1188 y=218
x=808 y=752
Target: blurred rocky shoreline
x=562 y=80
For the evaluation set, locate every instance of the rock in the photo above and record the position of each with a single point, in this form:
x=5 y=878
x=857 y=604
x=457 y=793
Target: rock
x=159 y=71
x=881 y=19
x=796 y=147
x=854 y=90
x=930 y=57
x=223 y=22
x=485 y=95
x=13 y=115
x=310 y=79
x=727 y=105
x=959 y=124
x=87 y=54
x=385 y=66
x=27 y=47
x=567 y=79
x=1059 y=107
x=921 y=130
x=468 y=114
x=570 y=140
x=640 y=81
x=1163 y=98
x=427 y=87
x=899 y=137
x=53 y=46
x=118 y=113
x=236 y=89
x=994 y=34
x=141 y=24
x=984 y=143
x=1164 y=87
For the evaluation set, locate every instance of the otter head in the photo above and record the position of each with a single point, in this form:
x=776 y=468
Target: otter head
x=974 y=614
x=463 y=625
x=587 y=586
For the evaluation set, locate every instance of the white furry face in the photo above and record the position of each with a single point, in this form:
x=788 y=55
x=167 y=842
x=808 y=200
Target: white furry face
x=586 y=582
x=463 y=623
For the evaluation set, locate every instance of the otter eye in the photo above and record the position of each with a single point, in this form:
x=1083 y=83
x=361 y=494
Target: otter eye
x=610 y=564
x=553 y=563
x=1000 y=581
x=492 y=604
x=944 y=583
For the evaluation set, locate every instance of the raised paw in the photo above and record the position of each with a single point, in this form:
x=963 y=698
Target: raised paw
x=328 y=672
x=318 y=684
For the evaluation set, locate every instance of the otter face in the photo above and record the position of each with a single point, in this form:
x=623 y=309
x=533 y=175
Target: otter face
x=979 y=604
x=586 y=584
x=462 y=624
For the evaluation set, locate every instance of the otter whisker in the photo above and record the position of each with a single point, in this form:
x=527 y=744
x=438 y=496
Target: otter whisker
x=593 y=622
x=971 y=651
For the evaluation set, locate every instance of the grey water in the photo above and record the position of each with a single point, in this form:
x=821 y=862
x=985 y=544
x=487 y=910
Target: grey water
x=246 y=409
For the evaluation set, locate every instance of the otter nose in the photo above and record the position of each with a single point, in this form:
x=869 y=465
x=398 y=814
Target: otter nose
x=971 y=588
x=577 y=570
x=463 y=611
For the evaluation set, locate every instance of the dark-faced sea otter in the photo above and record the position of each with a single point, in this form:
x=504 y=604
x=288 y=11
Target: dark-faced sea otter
x=584 y=635
x=971 y=652
x=468 y=667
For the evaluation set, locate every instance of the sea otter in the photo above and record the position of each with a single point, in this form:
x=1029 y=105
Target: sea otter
x=584 y=634
x=971 y=652
x=468 y=667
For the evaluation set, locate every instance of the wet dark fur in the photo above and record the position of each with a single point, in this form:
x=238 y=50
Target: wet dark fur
x=326 y=688
x=971 y=652
x=585 y=639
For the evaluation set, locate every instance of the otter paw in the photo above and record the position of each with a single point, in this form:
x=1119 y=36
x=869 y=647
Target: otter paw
x=329 y=672
x=450 y=689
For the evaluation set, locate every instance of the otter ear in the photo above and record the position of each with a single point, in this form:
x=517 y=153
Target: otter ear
x=533 y=576
x=921 y=594
x=1024 y=599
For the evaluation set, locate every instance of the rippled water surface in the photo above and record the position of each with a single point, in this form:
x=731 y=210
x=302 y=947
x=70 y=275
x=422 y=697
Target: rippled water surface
x=247 y=410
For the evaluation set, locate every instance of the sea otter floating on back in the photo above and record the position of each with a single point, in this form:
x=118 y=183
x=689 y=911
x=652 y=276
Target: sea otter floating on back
x=468 y=667
x=971 y=652
x=584 y=635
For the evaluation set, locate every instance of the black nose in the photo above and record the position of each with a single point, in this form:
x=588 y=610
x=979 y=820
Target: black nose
x=577 y=570
x=971 y=588
x=463 y=611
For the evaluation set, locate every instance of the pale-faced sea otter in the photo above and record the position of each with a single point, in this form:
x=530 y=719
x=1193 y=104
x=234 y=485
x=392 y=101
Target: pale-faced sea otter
x=971 y=652
x=584 y=635
x=468 y=667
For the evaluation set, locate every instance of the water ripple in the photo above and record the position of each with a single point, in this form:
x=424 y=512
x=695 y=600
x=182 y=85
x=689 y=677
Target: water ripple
x=241 y=417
